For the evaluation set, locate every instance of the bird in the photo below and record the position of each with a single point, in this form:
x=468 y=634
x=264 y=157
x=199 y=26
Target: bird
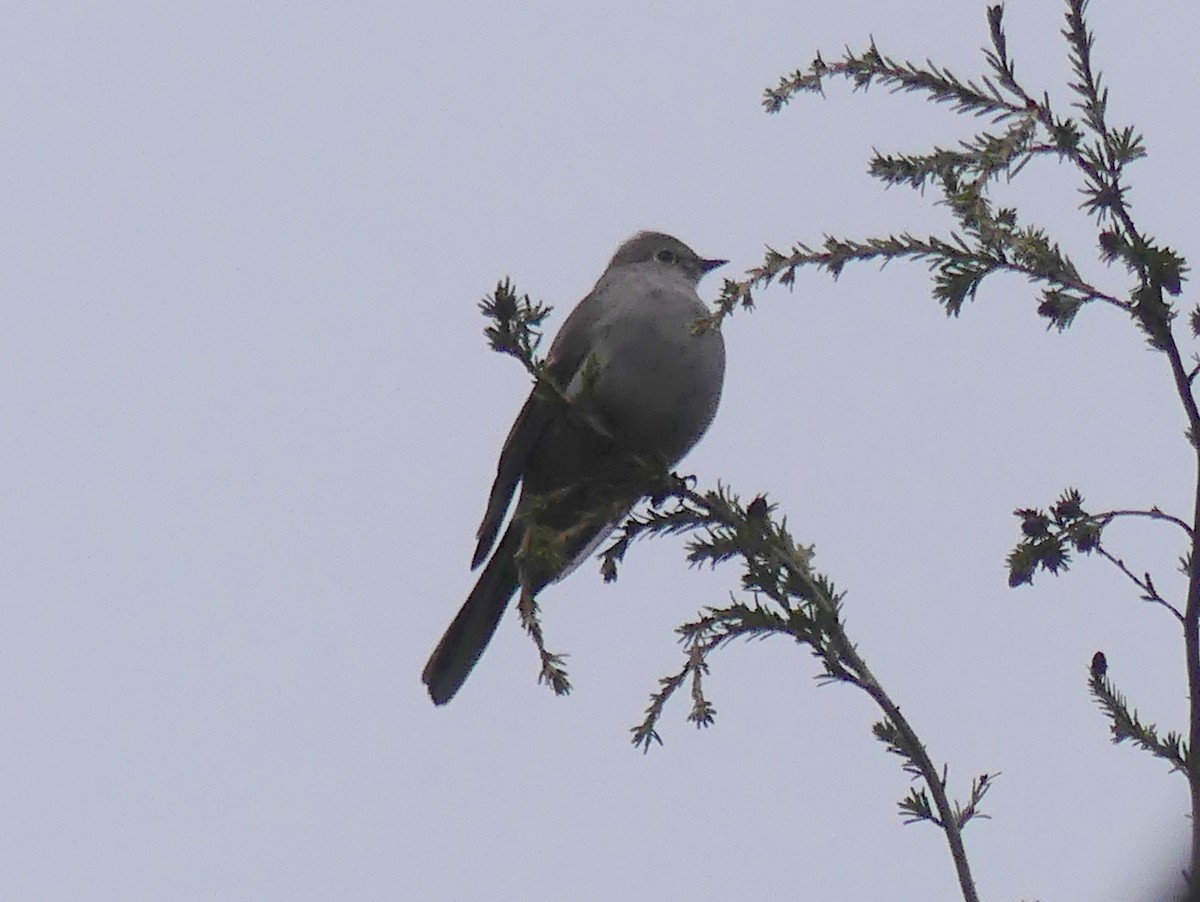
x=647 y=378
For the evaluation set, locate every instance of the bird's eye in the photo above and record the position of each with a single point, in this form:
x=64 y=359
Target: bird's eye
x=665 y=256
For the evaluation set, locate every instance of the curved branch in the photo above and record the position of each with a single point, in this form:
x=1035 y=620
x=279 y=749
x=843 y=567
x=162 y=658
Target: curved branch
x=808 y=611
x=1153 y=513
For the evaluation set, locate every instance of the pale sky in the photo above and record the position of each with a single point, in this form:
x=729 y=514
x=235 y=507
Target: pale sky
x=251 y=421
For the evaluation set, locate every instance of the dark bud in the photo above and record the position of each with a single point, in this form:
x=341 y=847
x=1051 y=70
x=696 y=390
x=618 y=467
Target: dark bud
x=1034 y=523
x=1099 y=665
x=1111 y=243
x=758 y=509
x=1069 y=506
x=504 y=304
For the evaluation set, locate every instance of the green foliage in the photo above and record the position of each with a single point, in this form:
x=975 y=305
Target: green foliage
x=1049 y=537
x=1024 y=126
x=515 y=323
x=788 y=598
x=782 y=594
x=553 y=668
x=988 y=240
x=1126 y=725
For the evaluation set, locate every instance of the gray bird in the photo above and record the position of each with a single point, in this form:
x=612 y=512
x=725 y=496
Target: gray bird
x=653 y=382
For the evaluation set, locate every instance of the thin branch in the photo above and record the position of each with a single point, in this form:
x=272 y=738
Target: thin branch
x=948 y=818
x=939 y=252
x=552 y=672
x=792 y=600
x=1145 y=583
x=1153 y=513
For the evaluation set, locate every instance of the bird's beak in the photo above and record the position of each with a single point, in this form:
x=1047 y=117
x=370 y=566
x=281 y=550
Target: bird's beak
x=710 y=265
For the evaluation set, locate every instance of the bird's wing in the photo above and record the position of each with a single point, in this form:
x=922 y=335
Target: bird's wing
x=531 y=422
x=567 y=355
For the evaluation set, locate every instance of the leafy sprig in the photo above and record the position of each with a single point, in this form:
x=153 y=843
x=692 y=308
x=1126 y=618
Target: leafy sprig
x=989 y=240
x=1126 y=725
x=786 y=597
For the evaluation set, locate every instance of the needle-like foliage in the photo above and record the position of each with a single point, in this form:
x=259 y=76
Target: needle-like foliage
x=780 y=592
x=1024 y=126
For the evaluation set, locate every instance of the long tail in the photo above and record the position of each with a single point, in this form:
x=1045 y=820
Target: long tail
x=470 y=632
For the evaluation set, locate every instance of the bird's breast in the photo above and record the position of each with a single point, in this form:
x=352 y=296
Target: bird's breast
x=658 y=379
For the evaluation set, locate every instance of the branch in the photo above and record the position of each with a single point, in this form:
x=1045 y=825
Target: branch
x=991 y=240
x=1145 y=583
x=1127 y=725
x=1154 y=513
x=788 y=598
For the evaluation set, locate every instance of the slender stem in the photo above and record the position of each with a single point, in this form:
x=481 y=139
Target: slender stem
x=1191 y=615
x=1191 y=641
x=1149 y=592
x=1153 y=514
x=949 y=820
x=852 y=668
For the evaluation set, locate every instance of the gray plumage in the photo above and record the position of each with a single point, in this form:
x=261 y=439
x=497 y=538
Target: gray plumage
x=654 y=385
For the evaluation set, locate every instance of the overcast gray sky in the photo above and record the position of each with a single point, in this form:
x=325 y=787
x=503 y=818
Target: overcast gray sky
x=250 y=423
